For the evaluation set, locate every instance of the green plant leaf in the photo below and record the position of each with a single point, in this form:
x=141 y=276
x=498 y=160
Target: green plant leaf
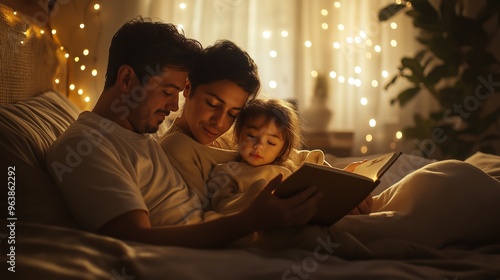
x=391 y=82
x=416 y=69
x=490 y=137
x=449 y=96
x=444 y=49
x=480 y=59
x=425 y=9
x=470 y=76
x=448 y=12
x=426 y=17
x=389 y=11
x=469 y=32
x=407 y=95
x=492 y=118
x=490 y=10
x=436 y=116
x=439 y=72
x=420 y=55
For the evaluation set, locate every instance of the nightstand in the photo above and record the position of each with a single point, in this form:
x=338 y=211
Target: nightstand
x=337 y=143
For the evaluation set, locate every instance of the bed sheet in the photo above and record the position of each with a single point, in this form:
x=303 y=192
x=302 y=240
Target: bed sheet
x=48 y=252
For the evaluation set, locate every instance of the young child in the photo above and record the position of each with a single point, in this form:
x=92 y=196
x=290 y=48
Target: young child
x=268 y=136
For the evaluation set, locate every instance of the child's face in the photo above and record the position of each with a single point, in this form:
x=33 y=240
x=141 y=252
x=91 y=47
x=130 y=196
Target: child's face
x=260 y=142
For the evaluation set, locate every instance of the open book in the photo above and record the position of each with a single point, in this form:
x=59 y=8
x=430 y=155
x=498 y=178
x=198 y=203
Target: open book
x=342 y=190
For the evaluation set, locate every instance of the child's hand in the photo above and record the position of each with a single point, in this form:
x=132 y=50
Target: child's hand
x=351 y=166
x=365 y=207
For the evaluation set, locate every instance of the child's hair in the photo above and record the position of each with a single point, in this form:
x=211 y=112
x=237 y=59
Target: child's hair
x=282 y=113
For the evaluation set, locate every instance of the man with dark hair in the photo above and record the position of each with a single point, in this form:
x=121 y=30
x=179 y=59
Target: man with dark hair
x=114 y=176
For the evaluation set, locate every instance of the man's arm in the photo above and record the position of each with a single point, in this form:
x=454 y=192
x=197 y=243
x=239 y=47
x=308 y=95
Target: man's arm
x=266 y=211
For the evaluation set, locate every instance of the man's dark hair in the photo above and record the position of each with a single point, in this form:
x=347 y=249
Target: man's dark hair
x=225 y=61
x=148 y=47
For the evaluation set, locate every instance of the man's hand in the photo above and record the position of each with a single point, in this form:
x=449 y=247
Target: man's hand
x=269 y=211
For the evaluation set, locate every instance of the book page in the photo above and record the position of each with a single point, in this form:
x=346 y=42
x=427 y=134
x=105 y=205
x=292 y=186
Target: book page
x=371 y=168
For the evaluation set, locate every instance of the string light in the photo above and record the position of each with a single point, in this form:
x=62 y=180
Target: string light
x=364 y=149
x=369 y=48
x=360 y=40
x=85 y=62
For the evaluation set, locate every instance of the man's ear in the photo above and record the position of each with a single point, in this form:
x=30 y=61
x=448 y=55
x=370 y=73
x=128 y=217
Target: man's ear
x=187 y=89
x=125 y=76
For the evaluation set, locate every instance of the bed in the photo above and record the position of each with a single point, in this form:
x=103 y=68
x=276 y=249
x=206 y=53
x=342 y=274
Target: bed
x=40 y=240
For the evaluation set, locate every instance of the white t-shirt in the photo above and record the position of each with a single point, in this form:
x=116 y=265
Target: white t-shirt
x=104 y=170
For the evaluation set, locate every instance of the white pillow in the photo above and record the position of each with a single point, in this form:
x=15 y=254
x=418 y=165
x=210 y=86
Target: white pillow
x=489 y=163
x=405 y=165
x=27 y=129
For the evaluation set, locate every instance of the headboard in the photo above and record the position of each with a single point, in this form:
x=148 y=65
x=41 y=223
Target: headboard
x=31 y=58
x=34 y=111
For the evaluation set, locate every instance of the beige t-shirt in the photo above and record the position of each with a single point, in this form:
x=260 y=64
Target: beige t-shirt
x=194 y=161
x=104 y=170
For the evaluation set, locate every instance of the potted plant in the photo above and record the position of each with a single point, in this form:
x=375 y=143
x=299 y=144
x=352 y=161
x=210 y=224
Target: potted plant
x=457 y=68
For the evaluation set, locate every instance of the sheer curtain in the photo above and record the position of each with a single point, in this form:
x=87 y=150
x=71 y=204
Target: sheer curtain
x=296 y=41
